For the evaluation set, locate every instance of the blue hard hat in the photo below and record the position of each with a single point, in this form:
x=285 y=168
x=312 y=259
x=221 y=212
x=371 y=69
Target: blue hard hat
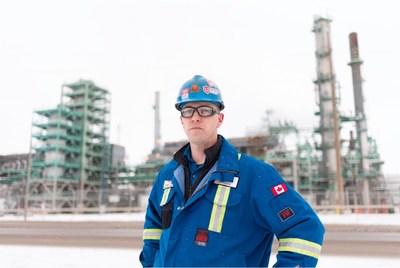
x=199 y=89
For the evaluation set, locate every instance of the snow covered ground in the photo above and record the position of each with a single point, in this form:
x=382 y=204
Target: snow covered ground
x=371 y=219
x=68 y=257
x=59 y=257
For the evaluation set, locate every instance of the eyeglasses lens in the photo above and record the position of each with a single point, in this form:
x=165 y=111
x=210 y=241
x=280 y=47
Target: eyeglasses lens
x=203 y=111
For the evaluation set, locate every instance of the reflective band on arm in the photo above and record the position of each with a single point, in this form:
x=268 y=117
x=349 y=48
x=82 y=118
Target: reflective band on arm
x=219 y=208
x=165 y=196
x=300 y=246
x=152 y=234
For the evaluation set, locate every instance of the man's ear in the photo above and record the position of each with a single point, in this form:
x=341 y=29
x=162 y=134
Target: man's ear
x=220 y=119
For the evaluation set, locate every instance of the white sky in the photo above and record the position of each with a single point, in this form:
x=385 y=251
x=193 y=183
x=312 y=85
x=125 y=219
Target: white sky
x=260 y=53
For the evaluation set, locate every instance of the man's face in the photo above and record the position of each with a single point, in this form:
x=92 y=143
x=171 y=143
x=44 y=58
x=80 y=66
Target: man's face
x=202 y=130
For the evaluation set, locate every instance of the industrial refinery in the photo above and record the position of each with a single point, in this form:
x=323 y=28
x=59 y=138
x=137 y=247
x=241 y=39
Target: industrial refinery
x=334 y=168
x=72 y=166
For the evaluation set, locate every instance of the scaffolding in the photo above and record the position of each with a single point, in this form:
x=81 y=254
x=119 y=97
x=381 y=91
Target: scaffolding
x=70 y=149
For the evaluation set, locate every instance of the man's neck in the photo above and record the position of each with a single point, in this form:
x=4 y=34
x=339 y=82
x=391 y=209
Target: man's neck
x=197 y=151
x=198 y=154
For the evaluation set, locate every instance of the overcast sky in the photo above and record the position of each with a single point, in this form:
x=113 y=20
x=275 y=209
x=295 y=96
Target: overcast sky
x=260 y=53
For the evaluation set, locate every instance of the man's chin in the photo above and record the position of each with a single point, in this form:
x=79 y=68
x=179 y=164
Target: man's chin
x=196 y=138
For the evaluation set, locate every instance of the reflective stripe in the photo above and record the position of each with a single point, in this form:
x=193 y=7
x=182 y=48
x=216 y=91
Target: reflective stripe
x=219 y=208
x=165 y=196
x=239 y=155
x=152 y=234
x=300 y=246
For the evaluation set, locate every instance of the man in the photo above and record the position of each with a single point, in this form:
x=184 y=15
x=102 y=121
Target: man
x=213 y=206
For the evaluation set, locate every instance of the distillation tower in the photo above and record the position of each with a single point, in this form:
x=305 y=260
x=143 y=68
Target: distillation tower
x=326 y=168
x=356 y=174
x=327 y=100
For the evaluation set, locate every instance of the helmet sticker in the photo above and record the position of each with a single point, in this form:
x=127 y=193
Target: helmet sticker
x=215 y=91
x=212 y=84
x=194 y=88
x=206 y=89
x=185 y=93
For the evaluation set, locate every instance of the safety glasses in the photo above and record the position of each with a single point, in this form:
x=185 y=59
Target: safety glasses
x=203 y=111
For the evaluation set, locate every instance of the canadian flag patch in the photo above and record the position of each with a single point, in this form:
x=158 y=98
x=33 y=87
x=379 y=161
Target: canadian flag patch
x=279 y=189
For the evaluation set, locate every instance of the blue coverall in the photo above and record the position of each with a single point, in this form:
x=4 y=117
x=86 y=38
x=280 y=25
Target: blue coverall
x=231 y=219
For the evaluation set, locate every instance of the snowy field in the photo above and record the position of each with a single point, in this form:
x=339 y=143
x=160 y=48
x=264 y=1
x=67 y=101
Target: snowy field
x=59 y=257
x=363 y=219
x=360 y=219
x=68 y=257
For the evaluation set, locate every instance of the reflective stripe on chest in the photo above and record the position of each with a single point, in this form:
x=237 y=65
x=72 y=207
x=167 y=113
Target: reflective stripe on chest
x=220 y=202
x=219 y=208
x=167 y=189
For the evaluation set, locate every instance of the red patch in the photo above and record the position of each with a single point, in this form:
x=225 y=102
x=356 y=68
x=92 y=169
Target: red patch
x=201 y=238
x=279 y=189
x=286 y=214
x=206 y=89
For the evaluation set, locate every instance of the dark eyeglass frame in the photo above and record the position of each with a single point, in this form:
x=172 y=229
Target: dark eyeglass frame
x=196 y=109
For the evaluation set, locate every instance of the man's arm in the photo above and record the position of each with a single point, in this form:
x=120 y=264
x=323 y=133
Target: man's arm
x=295 y=224
x=152 y=229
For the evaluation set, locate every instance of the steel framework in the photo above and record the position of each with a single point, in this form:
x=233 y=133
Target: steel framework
x=70 y=148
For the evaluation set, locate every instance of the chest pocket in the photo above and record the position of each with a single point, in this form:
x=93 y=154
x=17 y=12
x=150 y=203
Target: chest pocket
x=167 y=205
x=225 y=209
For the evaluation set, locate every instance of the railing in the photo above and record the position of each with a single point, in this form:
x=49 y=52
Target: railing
x=374 y=209
x=77 y=210
x=132 y=197
x=357 y=209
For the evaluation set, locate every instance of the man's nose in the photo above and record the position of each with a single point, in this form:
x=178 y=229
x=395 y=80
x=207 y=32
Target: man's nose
x=196 y=116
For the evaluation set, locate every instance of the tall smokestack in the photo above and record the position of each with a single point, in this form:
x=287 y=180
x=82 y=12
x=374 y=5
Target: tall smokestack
x=361 y=123
x=355 y=64
x=157 y=123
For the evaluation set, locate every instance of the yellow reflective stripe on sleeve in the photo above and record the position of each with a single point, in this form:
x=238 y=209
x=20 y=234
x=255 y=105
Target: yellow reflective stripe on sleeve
x=300 y=246
x=219 y=208
x=165 y=196
x=152 y=234
x=239 y=156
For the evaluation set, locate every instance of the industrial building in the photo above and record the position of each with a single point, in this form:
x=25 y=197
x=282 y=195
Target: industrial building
x=333 y=168
x=73 y=166
x=71 y=160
